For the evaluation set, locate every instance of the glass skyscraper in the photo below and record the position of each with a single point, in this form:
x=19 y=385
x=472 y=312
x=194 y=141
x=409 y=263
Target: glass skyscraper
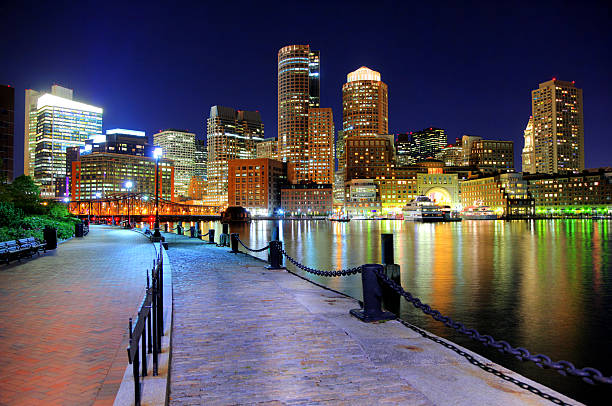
x=180 y=147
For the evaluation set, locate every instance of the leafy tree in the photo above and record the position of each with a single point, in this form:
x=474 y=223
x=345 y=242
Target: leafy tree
x=10 y=216
x=25 y=195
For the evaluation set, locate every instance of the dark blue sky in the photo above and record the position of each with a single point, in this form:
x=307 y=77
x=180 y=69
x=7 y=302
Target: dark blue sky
x=469 y=69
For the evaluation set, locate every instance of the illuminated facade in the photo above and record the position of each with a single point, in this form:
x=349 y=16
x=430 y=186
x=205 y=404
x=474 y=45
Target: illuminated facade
x=7 y=132
x=369 y=156
x=506 y=194
x=321 y=145
x=230 y=135
x=528 y=151
x=442 y=188
x=107 y=174
x=308 y=199
x=492 y=155
x=268 y=148
x=200 y=159
x=403 y=150
x=364 y=104
x=178 y=146
x=558 y=127
x=298 y=90
x=120 y=141
x=60 y=123
x=427 y=143
x=451 y=155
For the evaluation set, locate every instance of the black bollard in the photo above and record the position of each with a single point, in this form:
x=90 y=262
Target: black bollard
x=179 y=229
x=372 y=295
x=234 y=241
x=275 y=232
x=390 y=298
x=211 y=236
x=276 y=256
x=225 y=228
x=165 y=227
x=192 y=232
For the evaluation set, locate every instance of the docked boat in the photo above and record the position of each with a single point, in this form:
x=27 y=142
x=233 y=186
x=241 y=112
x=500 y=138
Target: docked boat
x=423 y=209
x=235 y=214
x=478 y=213
x=339 y=219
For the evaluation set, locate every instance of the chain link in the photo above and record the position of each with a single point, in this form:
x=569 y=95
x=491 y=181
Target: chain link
x=251 y=249
x=342 y=272
x=589 y=375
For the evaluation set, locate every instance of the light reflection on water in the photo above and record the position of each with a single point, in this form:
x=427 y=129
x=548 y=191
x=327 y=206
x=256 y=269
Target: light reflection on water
x=543 y=285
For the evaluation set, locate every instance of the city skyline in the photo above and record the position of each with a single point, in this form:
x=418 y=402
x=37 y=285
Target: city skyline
x=423 y=93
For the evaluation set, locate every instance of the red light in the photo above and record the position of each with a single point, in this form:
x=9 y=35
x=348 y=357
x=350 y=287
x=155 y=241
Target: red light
x=573 y=82
x=554 y=78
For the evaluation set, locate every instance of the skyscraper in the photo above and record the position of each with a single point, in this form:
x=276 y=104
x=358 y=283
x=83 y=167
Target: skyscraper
x=7 y=132
x=178 y=146
x=298 y=90
x=230 y=134
x=528 y=151
x=321 y=145
x=427 y=143
x=558 y=127
x=60 y=123
x=364 y=104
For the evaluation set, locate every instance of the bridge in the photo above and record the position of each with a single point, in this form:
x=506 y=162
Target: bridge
x=141 y=207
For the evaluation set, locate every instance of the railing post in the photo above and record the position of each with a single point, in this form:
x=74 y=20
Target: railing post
x=211 y=236
x=154 y=314
x=166 y=227
x=144 y=351
x=192 y=233
x=390 y=298
x=372 y=294
x=276 y=255
x=234 y=242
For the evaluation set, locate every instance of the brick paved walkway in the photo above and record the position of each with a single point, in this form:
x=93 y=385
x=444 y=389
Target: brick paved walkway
x=63 y=319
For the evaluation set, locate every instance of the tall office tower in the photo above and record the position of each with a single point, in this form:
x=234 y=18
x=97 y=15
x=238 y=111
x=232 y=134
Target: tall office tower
x=298 y=90
x=120 y=141
x=467 y=141
x=403 y=149
x=201 y=158
x=230 y=134
x=321 y=145
x=427 y=143
x=528 y=151
x=341 y=171
x=493 y=155
x=60 y=123
x=364 y=104
x=178 y=146
x=558 y=127
x=7 y=132
x=268 y=148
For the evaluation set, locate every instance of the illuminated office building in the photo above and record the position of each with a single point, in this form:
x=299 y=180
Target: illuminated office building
x=492 y=155
x=321 y=145
x=178 y=146
x=451 y=155
x=558 y=127
x=528 y=151
x=7 y=132
x=298 y=90
x=268 y=148
x=230 y=135
x=120 y=141
x=201 y=159
x=369 y=156
x=403 y=150
x=506 y=194
x=427 y=143
x=364 y=104
x=60 y=123
x=308 y=199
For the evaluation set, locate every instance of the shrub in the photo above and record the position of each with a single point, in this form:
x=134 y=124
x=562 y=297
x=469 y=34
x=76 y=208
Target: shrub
x=10 y=216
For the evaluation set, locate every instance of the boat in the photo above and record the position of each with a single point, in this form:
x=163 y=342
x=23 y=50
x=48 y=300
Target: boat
x=450 y=215
x=422 y=209
x=478 y=212
x=235 y=214
x=339 y=219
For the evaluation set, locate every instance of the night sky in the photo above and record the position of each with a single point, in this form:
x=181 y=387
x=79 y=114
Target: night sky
x=469 y=70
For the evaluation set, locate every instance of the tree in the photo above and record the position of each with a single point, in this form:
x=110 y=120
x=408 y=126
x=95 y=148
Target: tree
x=25 y=195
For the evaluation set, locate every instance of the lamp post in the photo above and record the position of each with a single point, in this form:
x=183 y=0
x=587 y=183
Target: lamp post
x=128 y=186
x=98 y=195
x=157 y=154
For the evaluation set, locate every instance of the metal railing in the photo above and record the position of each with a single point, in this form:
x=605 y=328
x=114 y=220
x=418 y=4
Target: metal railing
x=148 y=328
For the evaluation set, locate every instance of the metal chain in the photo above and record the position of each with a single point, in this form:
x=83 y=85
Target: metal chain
x=251 y=249
x=342 y=272
x=204 y=235
x=589 y=375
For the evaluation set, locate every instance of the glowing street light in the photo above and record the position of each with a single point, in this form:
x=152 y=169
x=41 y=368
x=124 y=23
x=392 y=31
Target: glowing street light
x=157 y=154
x=128 y=186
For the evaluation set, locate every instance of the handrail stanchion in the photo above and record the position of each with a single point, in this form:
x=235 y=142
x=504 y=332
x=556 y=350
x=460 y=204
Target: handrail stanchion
x=234 y=242
x=390 y=298
x=211 y=236
x=372 y=295
x=276 y=255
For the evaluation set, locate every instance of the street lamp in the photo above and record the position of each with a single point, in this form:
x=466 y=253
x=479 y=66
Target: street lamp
x=98 y=195
x=157 y=154
x=128 y=186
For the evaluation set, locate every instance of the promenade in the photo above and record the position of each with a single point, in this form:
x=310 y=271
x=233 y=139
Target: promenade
x=63 y=319
x=246 y=335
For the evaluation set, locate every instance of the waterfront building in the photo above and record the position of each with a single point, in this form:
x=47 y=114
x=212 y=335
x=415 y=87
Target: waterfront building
x=427 y=143
x=364 y=104
x=362 y=198
x=120 y=141
x=256 y=184
x=179 y=147
x=7 y=132
x=200 y=159
x=311 y=199
x=60 y=123
x=492 y=155
x=403 y=150
x=442 y=188
x=397 y=191
x=588 y=193
x=467 y=142
x=230 y=135
x=268 y=148
x=340 y=174
x=197 y=188
x=528 y=155
x=321 y=145
x=107 y=173
x=298 y=91
x=506 y=194
x=369 y=156
x=558 y=127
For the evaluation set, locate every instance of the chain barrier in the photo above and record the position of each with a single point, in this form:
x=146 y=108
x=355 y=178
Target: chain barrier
x=342 y=272
x=589 y=375
x=204 y=235
x=251 y=249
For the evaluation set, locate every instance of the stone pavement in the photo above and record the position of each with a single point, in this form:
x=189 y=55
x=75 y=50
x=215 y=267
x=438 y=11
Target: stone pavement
x=63 y=319
x=246 y=335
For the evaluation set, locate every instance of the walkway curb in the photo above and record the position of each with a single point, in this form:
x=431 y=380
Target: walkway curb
x=154 y=389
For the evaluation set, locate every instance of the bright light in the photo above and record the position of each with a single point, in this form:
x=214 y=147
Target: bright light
x=66 y=199
x=123 y=131
x=98 y=139
x=145 y=198
x=98 y=195
x=363 y=73
x=56 y=101
x=128 y=184
x=281 y=212
x=157 y=152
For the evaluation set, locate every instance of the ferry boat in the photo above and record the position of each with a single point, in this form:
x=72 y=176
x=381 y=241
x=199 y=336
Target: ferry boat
x=478 y=213
x=235 y=214
x=422 y=209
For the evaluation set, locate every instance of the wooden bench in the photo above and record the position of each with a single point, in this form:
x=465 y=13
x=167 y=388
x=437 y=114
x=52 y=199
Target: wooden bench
x=17 y=249
x=34 y=244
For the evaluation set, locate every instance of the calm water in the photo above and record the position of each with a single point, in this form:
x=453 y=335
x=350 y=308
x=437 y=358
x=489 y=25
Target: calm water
x=543 y=285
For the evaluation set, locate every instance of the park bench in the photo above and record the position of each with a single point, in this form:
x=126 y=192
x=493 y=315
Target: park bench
x=34 y=244
x=10 y=250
